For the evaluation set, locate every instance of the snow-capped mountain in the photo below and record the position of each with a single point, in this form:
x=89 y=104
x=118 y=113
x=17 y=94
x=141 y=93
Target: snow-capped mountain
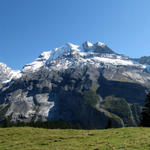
x=70 y=56
x=99 y=55
x=75 y=83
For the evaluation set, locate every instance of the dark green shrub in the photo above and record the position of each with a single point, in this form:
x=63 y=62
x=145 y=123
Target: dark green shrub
x=145 y=120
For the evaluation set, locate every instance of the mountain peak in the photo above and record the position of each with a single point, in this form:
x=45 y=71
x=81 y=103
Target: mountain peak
x=3 y=65
x=85 y=49
x=44 y=56
x=88 y=44
x=100 y=44
x=72 y=46
x=7 y=74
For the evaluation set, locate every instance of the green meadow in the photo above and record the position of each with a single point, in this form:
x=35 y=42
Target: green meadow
x=27 y=138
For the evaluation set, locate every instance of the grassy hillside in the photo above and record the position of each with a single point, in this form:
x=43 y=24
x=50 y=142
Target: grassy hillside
x=26 y=138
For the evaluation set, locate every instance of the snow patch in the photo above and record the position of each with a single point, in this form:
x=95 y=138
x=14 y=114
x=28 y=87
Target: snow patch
x=8 y=74
x=14 y=74
x=37 y=64
x=100 y=44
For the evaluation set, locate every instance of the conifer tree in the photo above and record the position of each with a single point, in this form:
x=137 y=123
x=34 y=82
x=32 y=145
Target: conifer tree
x=145 y=120
x=109 y=124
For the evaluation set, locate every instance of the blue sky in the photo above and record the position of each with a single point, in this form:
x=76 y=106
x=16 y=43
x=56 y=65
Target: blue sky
x=29 y=27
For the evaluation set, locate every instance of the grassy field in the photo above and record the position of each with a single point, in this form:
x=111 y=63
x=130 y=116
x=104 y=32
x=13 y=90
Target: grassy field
x=26 y=138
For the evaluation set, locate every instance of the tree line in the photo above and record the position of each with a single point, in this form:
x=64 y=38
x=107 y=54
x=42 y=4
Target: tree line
x=40 y=124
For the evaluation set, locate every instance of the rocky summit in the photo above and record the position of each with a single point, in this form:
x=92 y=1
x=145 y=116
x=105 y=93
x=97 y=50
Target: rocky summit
x=87 y=84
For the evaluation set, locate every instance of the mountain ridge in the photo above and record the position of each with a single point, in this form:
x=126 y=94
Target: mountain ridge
x=84 y=50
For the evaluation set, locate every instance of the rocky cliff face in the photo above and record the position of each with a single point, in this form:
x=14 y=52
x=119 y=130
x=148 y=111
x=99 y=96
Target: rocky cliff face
x=85 y=84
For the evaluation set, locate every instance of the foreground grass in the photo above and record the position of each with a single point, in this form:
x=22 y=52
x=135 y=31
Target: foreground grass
x=26 y=138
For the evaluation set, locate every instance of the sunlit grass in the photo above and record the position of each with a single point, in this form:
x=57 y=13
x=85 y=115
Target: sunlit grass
x=26 y=138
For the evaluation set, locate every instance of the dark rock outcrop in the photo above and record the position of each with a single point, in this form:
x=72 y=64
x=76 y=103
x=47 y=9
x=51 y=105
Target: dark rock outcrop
x=55 y=95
